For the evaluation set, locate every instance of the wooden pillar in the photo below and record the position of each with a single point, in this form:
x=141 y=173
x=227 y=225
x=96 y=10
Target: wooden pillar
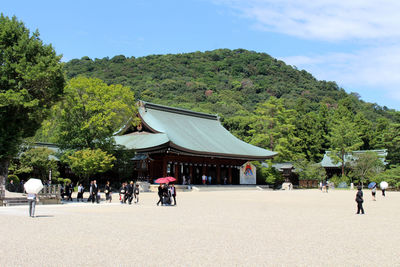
x=164 y=171
x=204 y=169
x=230 y=175
x=191 y=174
x=218 y=174
x=176 y=172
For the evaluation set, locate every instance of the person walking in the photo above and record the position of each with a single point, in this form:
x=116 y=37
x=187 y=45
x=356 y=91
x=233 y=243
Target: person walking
x=90 y=192
x=359 y=200
x=69 y=189
x=80 y=193
x=204 y=179
x=373 y=192
x=160 y=189
x=95 y=190
x=166 y=195
x=383 y=192
x=136 y=193
x=107 y=191
x=129 y=193
x=32 y=199
x=172 y=190
x=122 y=192
x=209 y=179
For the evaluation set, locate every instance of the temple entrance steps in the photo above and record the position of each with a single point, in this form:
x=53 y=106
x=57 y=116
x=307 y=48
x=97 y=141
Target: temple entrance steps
x=15 y=201
x=229 y=187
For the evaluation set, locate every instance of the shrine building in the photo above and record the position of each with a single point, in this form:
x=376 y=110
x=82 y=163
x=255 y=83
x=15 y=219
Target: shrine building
x=176 y=142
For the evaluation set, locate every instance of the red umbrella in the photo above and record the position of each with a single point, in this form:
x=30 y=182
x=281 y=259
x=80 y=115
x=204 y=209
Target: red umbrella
x=165 y=180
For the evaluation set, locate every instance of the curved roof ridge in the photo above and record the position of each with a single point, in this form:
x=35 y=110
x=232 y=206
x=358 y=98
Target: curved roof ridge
x=148 y=105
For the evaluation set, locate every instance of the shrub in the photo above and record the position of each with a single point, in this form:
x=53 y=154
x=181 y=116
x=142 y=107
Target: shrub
x=339 y=179
x=14 y=178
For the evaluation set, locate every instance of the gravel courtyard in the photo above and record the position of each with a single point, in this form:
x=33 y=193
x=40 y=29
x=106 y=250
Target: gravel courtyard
x=215 y=228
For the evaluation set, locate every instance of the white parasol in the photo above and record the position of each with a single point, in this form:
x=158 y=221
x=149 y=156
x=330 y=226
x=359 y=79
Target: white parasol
x=383 y=185
x=33 y=186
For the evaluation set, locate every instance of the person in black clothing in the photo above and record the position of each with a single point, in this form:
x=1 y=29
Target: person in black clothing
x=107 y=191
x=160 y=194
x=69 y=190
x=359 y=200
x=11 y=186
x=165 y=195
x=129 y=193
x=95 y=190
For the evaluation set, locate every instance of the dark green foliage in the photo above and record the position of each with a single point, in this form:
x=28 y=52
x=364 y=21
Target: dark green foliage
x=31 y=81
x=239 y=86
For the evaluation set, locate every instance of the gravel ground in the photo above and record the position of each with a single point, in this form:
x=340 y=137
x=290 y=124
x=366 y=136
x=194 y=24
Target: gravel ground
x=225 y=228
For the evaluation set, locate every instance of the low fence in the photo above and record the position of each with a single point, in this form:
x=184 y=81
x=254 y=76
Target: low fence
x=51 y=191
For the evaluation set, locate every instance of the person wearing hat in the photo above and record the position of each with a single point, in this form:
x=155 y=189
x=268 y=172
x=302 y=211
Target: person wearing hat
x=359 y=200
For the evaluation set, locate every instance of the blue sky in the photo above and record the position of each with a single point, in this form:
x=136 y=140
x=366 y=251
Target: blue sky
x=355 y=43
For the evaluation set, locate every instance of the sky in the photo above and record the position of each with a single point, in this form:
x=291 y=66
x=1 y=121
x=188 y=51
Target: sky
x=354 y=43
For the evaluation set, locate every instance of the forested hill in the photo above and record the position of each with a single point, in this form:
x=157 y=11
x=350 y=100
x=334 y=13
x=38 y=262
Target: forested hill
x=221 y=81
x=260 y=99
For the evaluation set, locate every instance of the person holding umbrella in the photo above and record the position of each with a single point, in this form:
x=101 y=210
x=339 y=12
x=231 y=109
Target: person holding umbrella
x=359 y=200
x=32 y=188
x=372 y=185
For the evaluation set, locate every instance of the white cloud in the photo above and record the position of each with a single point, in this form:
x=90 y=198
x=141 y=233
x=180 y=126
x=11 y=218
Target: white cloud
x=374 y=67
x=323 y=19
x=370 y=28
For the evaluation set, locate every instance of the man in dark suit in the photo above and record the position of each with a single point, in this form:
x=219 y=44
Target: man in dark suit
x=129 y=193
x=95 y=190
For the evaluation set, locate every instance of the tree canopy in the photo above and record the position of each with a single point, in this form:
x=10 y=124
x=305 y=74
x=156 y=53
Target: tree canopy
x=31 y=81
x=88 y=115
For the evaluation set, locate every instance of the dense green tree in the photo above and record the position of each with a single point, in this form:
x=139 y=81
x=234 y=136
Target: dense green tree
x=391 y=176
x=367 y=165
x=37 y=161
x=90 y=112
x=391 y=141
x=87 y=162
x=344 y=136
x=31 y=80
x=310 y=132
x=308 y=170
x=273 y=128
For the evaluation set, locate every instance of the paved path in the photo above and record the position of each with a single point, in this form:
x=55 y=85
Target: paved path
x=232 y=228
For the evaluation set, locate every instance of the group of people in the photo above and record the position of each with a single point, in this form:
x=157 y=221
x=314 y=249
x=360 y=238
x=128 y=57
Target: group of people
x=206 y=179
x=373 y=192
x=129 y=192
x=360 y=200
x=165 y=194
x=11 y=187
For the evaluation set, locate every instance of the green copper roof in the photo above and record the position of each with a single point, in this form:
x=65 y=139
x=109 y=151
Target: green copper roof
x=139 y=141
x=327 y=161
x=194 y=133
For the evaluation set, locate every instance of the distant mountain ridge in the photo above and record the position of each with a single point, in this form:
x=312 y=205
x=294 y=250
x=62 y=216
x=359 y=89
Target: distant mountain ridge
x=223 y=81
